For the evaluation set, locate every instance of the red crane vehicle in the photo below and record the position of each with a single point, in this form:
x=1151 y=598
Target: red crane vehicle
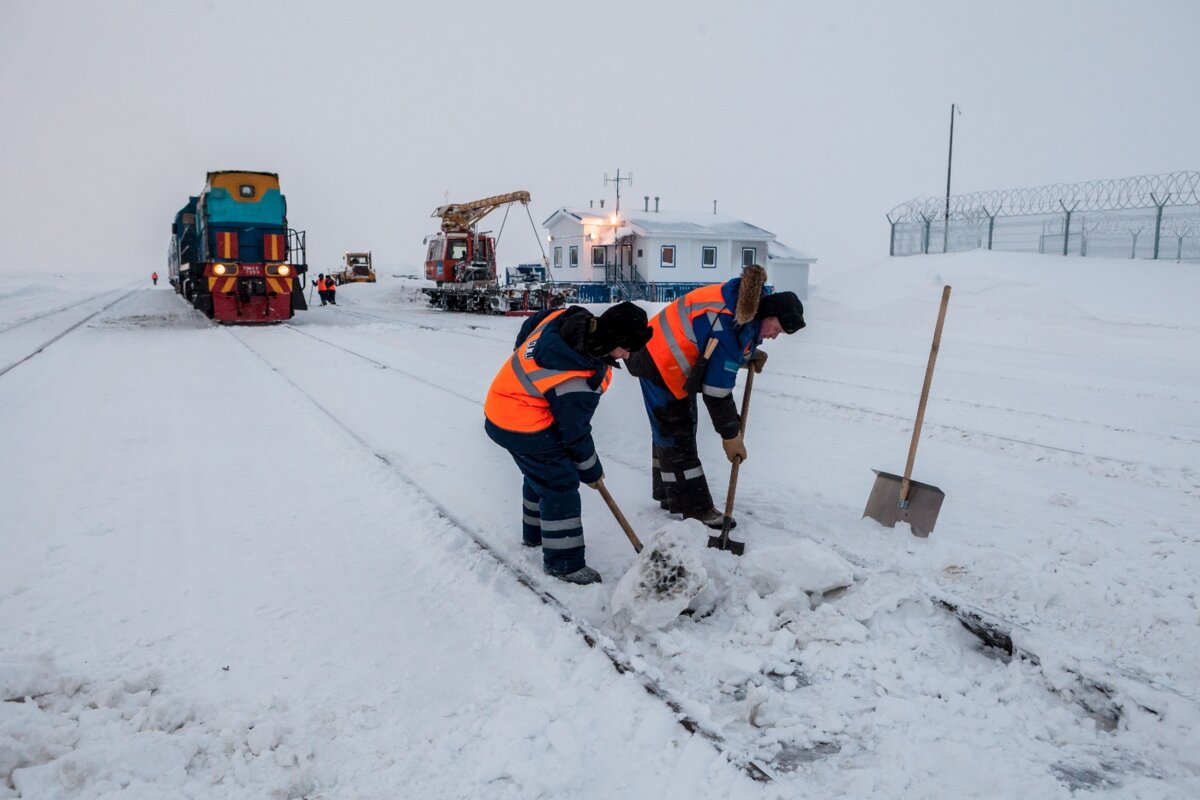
x=461 y=260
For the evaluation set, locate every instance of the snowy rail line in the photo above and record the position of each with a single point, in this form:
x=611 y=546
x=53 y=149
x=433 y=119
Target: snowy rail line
x=40 y=348
x=591 y=636
x=1106 y=699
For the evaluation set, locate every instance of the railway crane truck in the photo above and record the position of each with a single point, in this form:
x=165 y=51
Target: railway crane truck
x=461 y=261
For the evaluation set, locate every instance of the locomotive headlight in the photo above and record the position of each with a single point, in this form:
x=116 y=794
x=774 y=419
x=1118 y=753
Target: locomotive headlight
x=284 y=269
x=219 y=269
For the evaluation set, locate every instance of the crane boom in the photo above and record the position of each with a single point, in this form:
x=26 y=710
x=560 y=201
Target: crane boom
x=463 y=216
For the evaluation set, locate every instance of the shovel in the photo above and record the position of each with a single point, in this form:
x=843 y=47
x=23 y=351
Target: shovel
x=664 y=571
x=723 y=542
x=624 y=523
x=900 y=499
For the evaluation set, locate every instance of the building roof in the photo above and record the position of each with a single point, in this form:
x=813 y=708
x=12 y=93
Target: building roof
x=780 y=251
x=651 y=223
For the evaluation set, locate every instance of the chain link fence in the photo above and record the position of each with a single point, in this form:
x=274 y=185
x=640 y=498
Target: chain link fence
x=1150 y=216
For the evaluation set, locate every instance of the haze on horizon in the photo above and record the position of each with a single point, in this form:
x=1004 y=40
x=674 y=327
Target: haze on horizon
x=811 y=120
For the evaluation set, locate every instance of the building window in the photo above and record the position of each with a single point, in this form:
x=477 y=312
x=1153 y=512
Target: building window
x=667 y=259
x=573 y=255
x=749 y=256
x=597 y=256
x=557 y=257
x=708 y=257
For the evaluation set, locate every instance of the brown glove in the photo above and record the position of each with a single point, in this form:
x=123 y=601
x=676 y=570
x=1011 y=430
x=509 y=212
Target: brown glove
x=757 y=361
x=735 y=449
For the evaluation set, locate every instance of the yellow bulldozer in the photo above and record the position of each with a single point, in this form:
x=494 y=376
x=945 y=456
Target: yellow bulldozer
x=356 y=268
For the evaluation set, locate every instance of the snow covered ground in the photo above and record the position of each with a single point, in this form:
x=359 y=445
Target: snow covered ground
x=247 y=562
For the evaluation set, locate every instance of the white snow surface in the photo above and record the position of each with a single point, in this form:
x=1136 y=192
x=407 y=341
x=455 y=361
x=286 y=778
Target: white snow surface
x=246 y=562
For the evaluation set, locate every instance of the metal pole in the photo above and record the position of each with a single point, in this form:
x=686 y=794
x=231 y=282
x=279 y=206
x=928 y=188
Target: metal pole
x=949 y=164
x=1158 y=219
x=1067 y=228
x=892 y=242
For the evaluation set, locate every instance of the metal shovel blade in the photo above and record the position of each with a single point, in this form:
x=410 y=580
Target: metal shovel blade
x=920 y=512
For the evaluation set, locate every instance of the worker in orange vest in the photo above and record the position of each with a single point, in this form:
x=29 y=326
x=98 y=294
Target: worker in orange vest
x=540 y=408
x=700 y=341
x=331 y=289
x=154 y=277
x=321 y=290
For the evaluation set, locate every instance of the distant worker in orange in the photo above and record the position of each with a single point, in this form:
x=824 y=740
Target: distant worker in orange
x=154 y=277
x=331 y=289
x=539 y=408
x=322 y=291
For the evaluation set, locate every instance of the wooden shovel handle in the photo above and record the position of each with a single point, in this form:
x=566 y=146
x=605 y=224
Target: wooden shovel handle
x=933 y=351
x=624 y=523
x=733 y=473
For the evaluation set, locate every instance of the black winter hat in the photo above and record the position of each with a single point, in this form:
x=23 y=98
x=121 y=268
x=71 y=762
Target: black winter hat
x=784 y=306
x=623 y=325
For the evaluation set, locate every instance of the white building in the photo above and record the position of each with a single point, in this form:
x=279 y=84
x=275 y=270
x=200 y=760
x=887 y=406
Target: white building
x=644 y=254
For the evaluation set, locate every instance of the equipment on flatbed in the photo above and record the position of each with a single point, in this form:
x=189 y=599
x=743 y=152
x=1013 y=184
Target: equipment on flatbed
x=356 y=268
x=462 y=261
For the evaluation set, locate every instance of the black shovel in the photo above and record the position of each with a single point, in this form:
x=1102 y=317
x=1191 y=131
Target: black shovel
x=900 y=499
x=723 y=542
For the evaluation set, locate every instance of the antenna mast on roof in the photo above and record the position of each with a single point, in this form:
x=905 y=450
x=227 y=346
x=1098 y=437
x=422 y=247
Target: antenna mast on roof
x=617 y=180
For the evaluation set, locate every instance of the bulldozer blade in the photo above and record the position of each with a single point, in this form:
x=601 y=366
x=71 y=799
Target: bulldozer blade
x=920 y=512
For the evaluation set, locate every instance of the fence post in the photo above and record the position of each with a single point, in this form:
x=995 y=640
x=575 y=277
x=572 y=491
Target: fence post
x=925 y=236
x=991 y=223
x=1133 y=250
x=892 y=240
x=1158 y=219
x=1179 y=250
x=1067 y=228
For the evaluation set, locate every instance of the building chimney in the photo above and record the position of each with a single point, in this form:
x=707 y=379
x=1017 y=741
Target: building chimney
x=602 y=202
x=714 y=206
x=647 y=206
x=656 y=204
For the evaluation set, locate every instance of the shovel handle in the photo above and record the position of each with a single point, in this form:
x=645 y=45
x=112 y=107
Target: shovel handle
x=933 y=351
x=624 y=523
x=733 y=473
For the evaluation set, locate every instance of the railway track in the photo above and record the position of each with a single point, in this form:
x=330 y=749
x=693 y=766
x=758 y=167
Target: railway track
x=593 y=637
x=42 y=347
x=1107 y=695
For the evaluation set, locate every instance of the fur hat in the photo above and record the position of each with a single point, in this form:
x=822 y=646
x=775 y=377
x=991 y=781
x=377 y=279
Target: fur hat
x=784 y=306
x=623 y=325
x=754 y=278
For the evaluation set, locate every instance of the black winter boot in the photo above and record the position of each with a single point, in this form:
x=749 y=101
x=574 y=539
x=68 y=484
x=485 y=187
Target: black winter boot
x=582 y=576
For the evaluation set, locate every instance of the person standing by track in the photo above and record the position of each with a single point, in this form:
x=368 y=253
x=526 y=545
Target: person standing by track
x=700 y=341
x=539 y=407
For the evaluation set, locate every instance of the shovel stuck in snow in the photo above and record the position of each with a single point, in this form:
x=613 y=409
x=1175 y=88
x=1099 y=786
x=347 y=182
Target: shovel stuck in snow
x=900 y=499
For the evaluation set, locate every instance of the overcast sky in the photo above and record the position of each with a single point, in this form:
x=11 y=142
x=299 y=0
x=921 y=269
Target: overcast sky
x=811 y=120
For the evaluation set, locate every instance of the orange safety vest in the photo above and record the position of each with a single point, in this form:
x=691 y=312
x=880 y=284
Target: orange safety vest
x=516 y=400
x=320 y=284
x=673 y=346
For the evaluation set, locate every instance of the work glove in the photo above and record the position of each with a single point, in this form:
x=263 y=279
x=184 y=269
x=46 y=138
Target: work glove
x=757 y=361
x=735 y=449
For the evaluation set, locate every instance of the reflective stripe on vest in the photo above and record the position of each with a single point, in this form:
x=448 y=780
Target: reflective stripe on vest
x=673 y=346
x=517 y=401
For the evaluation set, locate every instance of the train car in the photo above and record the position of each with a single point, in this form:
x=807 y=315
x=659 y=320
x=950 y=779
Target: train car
x=232 y=254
